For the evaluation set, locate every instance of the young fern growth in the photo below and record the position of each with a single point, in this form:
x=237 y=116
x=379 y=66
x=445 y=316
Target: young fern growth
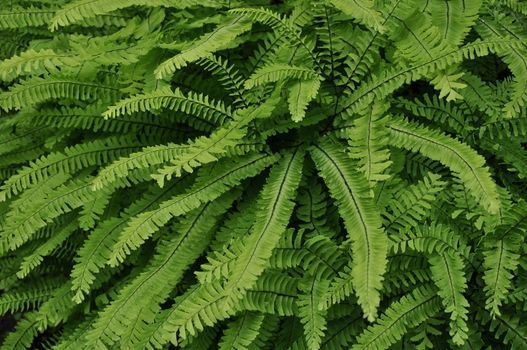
x=263 y=174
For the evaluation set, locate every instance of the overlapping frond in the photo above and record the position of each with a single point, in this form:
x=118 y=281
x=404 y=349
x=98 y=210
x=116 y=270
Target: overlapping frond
x=468 y=165
x=363 y=223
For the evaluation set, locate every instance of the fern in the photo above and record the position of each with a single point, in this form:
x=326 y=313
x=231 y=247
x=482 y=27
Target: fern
x=457 y=156
x=207 y=44
x=263 y=174
x=275 y=208
x=409 y=311
x=368 y=242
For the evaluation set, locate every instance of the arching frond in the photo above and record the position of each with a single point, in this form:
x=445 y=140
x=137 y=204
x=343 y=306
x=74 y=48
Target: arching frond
x=79 y=10
x=363 y=10
x=368 y=141
x=37 y=90
x=174 y=255
x=211 y=183
x=242 y=332
x=409 y=311
x=363 y=223
x=209 y=43
x=97 y=248
x=465 y=162
x=275 y=209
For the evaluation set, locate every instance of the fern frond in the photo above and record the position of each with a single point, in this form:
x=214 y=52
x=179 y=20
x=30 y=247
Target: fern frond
x=301 y=93
x=16 y=17
x=227 y=74
x=430 y=239
x=242 y=332
x=368 y=141
x=174 y=255
x=448 y=275
x=409 y=206
x=410 y=311
x=314 y=320
x=220 y=143
x=275 y=72
x=195 y=104
x=363 y=10
x=70 y=161
x=97 y=248
x=91 y=118
x=211 y=183
x=510 y=328
x=513 y=56
x=24 y=334
x=28 y=296
x=36 y=257
x=454 y=18
x=362 y=221
x=33 y=62
x=36 y=90
x=275 y=208
x=500 y=262
x=460 y=158
x=21 y=226
x=439 y=111
x=81 y=10
x=209 y=43
x=389 y=80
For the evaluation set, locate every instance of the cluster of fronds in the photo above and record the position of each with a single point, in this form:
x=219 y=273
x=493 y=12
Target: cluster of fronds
x=203 y=174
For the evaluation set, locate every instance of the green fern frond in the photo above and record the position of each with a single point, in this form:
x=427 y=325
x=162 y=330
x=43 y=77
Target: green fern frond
x=448 y=275
x=211 y=183
x=276 y=72
x=409 y=206
x=33 y=62
x=80 y=10
x=37 y=90
x=301 y=93
x=275 y=208
x=368 y=141
x=363 y=223
x=454 y=18
x=511 y=330
x=166 y=269
x=36 y=258
x=97 y=248
x=410 y=311
x=389 y=80
x=24 y=334
x=28 y=296
x=20 y=17
x=461 y=159
x=242 y=332
x=314 y=320
x=195 y=104
x=209 y=43
x=220 y=143
x=70 y=161
x=22 y=225
x=363 y=10
x=430 y=239
x=500 y=262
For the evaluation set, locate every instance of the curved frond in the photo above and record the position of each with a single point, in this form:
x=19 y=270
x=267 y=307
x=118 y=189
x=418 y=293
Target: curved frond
x=362 y=221
x=211 y=183
x=275 y=207
x=410 y=311
x=209 y=43
x=468 y=165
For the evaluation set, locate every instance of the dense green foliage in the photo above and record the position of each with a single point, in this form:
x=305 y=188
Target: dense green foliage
x=255 y=174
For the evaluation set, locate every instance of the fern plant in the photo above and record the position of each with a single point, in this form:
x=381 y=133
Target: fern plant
x=263 y=174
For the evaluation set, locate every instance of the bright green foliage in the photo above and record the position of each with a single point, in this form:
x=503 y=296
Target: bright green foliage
x=263 y=174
